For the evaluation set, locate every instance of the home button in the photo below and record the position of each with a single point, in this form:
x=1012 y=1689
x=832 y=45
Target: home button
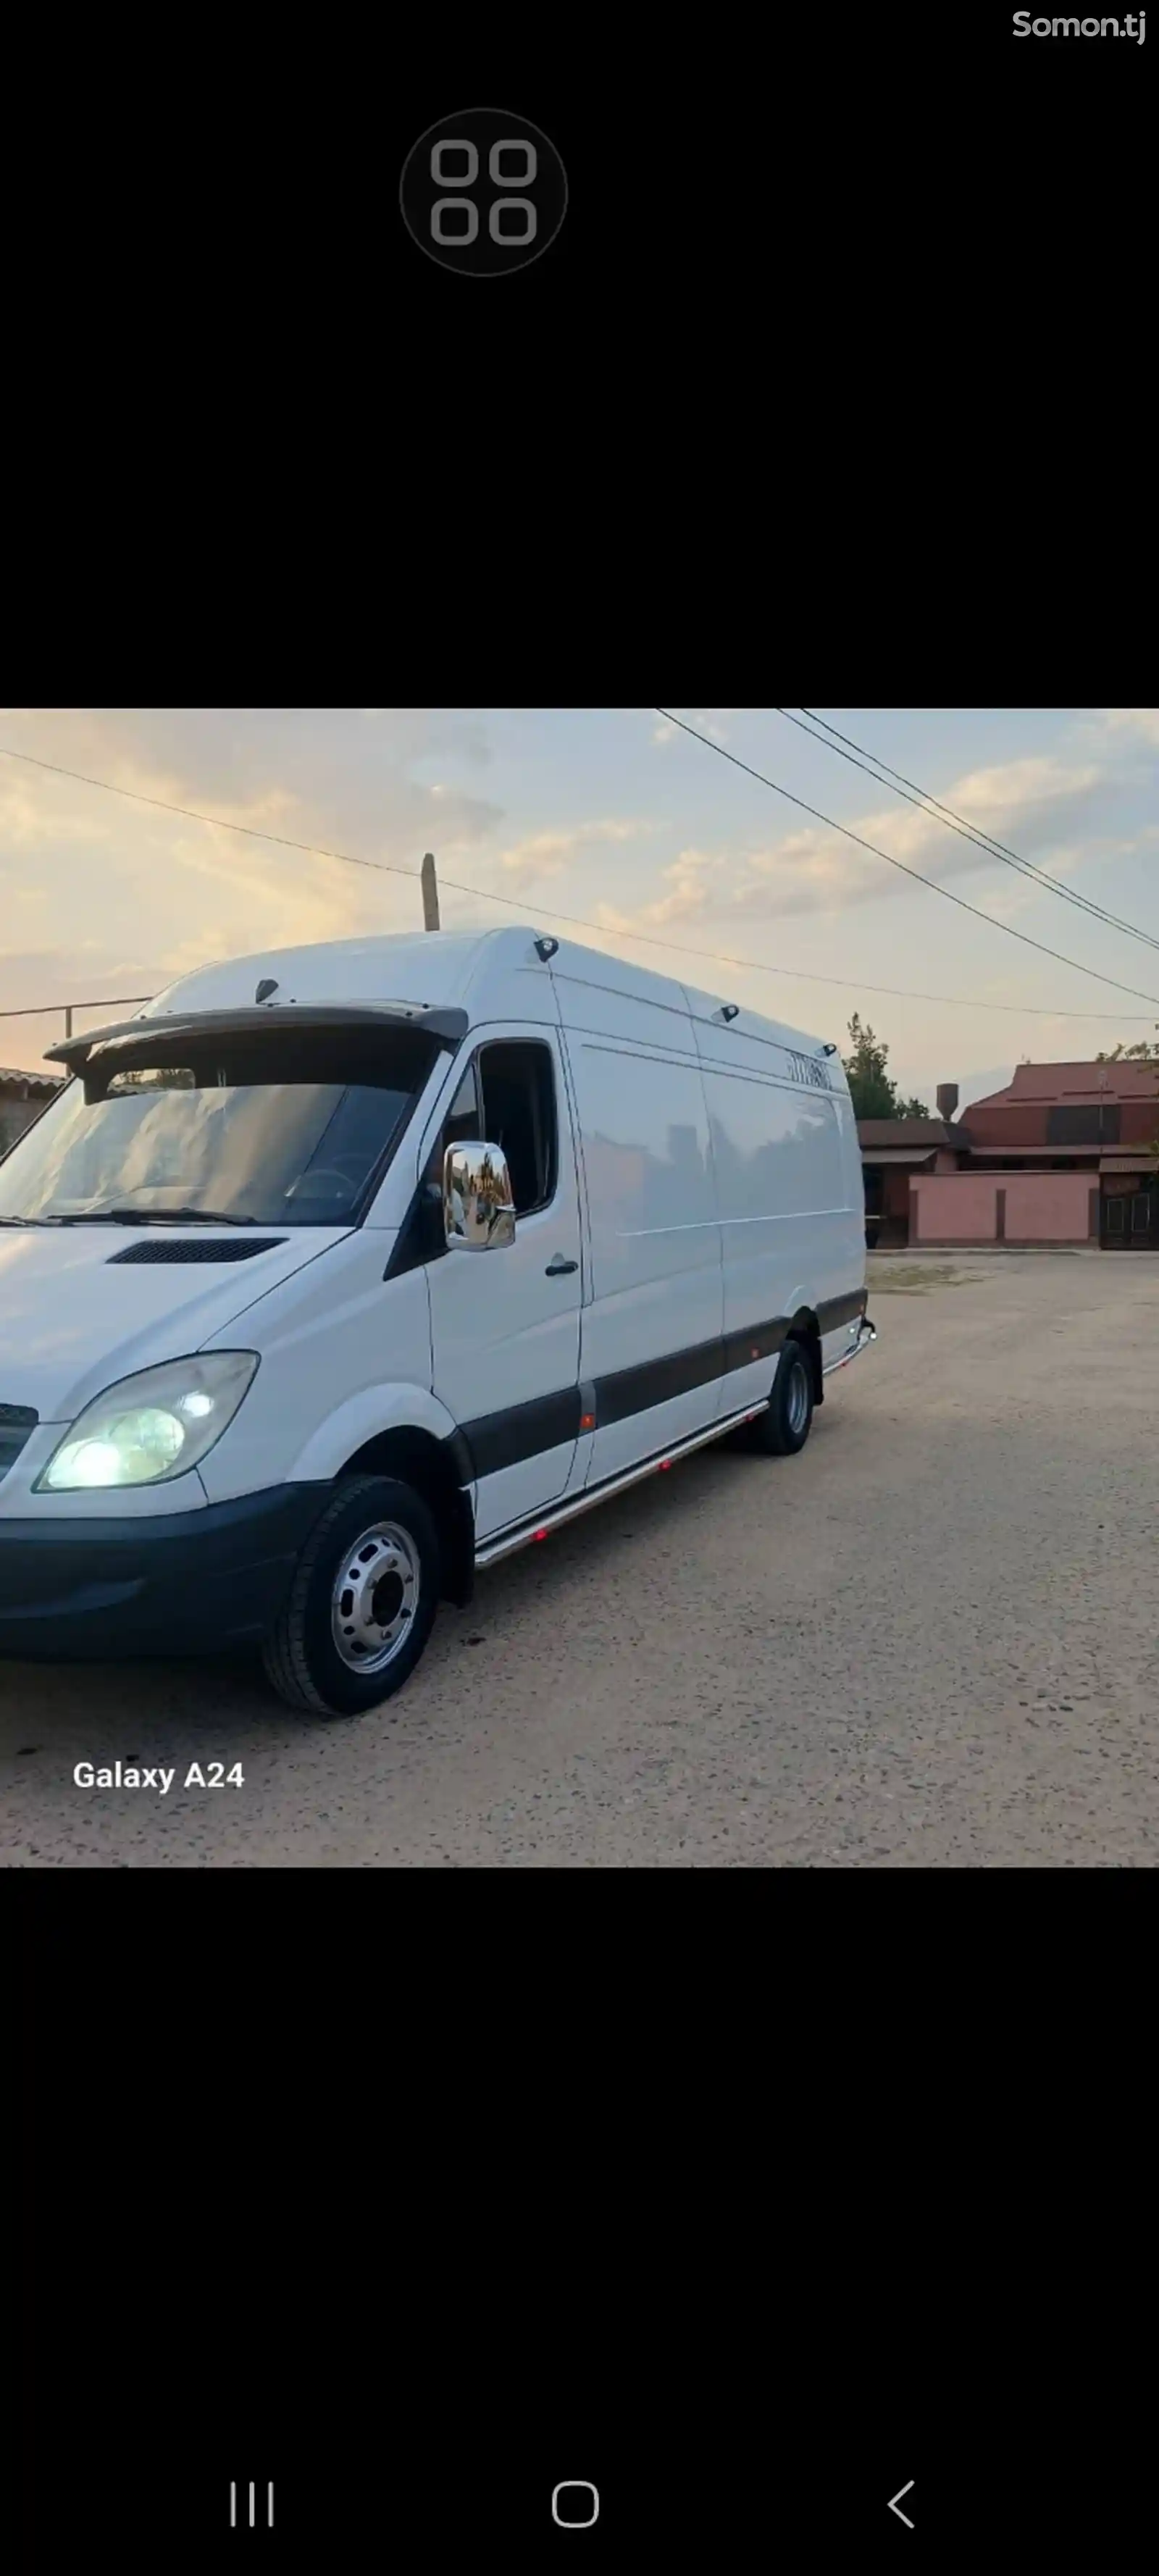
x=575 y=2505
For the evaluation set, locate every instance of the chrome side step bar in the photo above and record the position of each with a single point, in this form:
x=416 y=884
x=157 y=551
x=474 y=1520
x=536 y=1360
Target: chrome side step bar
x=866 y=1334
x=506 y=1541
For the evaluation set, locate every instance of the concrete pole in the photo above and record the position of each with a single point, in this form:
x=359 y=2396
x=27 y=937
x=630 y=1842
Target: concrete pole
x=68 y=1019
x=430 y=893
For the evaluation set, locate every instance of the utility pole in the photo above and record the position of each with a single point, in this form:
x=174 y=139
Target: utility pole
x=430 y=893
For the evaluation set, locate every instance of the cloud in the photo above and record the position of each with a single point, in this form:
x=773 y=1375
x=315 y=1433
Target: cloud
x=1143 y=721
x=1030 y=804
x=714 y=721
x=339 y=775
x=27 y=817
x=547 y=854
x=688 y=880
x=465 y=737
x=119 y=879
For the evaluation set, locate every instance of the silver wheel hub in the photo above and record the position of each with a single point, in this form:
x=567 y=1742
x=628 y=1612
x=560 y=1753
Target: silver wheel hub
x=797 y=1405
x=375 y=1596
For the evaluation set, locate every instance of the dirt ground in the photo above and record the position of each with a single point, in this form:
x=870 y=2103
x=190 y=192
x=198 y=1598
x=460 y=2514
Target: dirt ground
x=929 y=1641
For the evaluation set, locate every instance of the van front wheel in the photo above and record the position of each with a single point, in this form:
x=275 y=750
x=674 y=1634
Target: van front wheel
x=362 y=1602
x=786 y=1425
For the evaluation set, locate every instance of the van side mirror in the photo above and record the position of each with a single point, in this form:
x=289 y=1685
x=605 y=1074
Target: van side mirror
x=478 y=1208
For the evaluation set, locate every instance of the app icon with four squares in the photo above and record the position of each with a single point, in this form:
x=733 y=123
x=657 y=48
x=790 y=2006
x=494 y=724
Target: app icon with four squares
x=484 y=191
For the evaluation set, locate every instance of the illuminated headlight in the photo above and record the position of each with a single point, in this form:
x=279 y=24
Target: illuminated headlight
x=151 y=1427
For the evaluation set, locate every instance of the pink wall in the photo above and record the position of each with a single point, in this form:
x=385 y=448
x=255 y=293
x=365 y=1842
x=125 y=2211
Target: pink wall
x=954 y=1207
x=1041 y=1207
x=1049 y=1207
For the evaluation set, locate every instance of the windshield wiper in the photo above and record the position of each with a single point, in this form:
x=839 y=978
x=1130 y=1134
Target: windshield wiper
x=150 y=1216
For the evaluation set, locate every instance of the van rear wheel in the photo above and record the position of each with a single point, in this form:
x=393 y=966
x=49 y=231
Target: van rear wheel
x=362 y=1602
x=785 y=1426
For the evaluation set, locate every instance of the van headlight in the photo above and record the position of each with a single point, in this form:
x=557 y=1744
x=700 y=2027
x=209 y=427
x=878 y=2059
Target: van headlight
x=151 y=1427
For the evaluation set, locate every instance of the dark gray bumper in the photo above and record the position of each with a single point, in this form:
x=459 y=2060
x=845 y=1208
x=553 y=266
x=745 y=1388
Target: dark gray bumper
x=182 y=1583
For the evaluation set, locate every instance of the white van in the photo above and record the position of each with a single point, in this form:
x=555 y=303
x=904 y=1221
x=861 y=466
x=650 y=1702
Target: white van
x=255 y=1383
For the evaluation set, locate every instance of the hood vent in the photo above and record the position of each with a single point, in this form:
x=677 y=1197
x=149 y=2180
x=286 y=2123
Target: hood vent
x=16 y=1421
x=195 y=1248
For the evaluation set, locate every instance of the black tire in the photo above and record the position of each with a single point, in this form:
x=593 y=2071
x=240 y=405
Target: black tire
x=785 y=1426
x=300 y=1655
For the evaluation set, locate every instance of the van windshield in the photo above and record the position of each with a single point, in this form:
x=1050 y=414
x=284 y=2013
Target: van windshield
x=284 y=1128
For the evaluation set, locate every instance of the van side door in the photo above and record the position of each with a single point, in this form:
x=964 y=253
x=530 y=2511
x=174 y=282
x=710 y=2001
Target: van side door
x=505 y=1321
x=783 y=1191
x=651 y=1344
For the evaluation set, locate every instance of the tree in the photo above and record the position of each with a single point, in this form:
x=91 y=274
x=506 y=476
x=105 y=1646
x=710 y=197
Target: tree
x=869 y=1083
x=872 y=1088
x=1141 y=1053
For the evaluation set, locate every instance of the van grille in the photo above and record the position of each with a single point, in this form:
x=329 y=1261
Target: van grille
x=242 y=1248
x=16 y=1421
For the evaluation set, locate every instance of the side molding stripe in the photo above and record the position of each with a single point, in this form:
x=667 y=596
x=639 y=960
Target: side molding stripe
x=497 y=1440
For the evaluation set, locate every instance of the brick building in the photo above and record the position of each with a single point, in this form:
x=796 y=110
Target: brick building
x=1066 y=1154
x=894 y=1152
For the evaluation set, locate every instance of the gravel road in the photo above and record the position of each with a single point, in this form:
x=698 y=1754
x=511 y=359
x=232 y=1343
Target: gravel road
x=929 y=1641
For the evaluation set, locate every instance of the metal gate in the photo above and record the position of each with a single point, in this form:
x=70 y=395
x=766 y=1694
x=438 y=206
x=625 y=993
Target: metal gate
x=1131 y=1220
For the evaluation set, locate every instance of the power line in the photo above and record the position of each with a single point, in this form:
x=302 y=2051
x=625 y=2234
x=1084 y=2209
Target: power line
x=798 y=974
x=575 y=921
x=999 y=849
x=983 y=840
x=382 y=866
x=915 y=873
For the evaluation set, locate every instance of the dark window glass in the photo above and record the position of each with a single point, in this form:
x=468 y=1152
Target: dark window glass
x=288 y=1128
x=1089 y=1124
x=461 y=1126
x=462 y=1121
x=519 y=1115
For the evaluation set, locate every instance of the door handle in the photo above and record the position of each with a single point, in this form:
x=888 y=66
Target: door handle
x=557 y=1267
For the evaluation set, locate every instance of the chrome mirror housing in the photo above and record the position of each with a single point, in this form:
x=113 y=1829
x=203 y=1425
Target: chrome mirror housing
x=478 y=1208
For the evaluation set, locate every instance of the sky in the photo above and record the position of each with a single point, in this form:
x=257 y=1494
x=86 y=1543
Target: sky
x=616 y=816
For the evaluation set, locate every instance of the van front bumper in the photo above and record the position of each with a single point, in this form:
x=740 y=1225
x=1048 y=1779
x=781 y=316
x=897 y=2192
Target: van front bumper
x=181 y=1583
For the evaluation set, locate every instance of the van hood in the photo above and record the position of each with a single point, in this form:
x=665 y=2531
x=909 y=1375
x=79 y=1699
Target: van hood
x=74 y=1318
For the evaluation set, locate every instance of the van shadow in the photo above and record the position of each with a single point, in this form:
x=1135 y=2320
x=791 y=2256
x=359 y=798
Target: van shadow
x=141 y=1710
x=615 y=1541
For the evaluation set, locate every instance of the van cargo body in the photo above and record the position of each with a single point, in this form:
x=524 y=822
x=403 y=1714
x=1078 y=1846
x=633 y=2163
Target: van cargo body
x=256 y=1385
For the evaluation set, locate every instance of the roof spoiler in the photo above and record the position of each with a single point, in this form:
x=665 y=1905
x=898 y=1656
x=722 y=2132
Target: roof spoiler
x=447 y=1026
